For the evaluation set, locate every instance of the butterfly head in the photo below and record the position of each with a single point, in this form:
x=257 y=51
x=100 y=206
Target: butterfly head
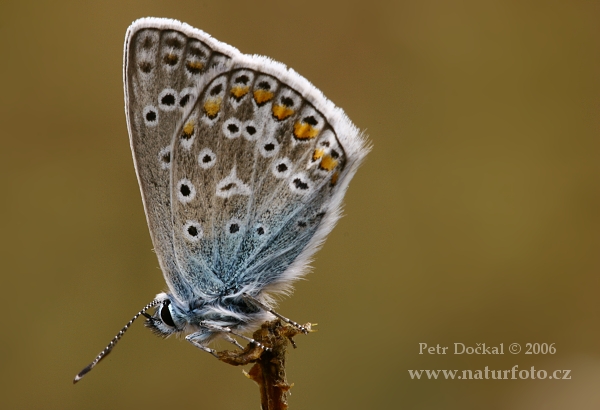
x=167 y=318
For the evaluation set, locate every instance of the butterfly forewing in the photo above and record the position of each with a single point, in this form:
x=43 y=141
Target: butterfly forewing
x=163 y=71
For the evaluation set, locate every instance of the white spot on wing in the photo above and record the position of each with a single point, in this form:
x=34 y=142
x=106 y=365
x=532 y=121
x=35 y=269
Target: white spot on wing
x=206 y=158
x=150 y=114
x=232 y=185
x=233 y=227
x=269 y=148
x=186 y=191
x=164 y=157
x=232 y=128
x=168 y=99
x=187 y=97
x=192 y=231
x=282 y=168
x=301 y=184
x=250 y=131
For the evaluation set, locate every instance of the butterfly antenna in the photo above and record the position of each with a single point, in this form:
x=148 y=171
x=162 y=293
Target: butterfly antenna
x=113 y=342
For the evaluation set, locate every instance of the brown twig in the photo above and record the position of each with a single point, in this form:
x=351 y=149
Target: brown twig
x=269 y=366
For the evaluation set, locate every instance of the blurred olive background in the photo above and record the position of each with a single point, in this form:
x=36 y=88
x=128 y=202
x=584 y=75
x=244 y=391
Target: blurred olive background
x=475 y=219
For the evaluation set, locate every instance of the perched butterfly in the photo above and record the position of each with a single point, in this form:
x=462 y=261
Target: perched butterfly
x=242 y=166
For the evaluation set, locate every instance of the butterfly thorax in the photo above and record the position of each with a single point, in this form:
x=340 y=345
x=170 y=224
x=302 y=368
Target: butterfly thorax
x=199 y=315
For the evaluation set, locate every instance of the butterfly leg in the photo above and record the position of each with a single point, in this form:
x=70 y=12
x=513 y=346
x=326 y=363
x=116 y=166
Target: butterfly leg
x=227 y=330
x=193 y=340
x=261 y=305
x=233 y=341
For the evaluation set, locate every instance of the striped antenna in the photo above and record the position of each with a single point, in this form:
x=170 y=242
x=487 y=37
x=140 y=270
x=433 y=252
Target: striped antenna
x=113 y=342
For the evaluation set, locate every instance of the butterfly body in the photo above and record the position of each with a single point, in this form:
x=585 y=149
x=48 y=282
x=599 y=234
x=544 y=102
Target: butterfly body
x=242 y=165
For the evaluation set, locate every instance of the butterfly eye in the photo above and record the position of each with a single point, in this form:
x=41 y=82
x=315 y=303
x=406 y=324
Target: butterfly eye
x=165 y=315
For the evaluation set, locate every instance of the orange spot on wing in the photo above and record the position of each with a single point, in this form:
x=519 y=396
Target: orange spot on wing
x=304 y=131
x=281 y=112
x=188 y=130
x=335 y=177
x=318 y=154
x=239 y=91
x=262 y=96
x=194 y=66
x=328 y=163
x=212 y=107
x=171 y=59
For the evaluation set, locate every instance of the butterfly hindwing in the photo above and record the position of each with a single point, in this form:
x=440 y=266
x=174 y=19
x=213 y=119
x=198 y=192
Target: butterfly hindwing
x=254 y=171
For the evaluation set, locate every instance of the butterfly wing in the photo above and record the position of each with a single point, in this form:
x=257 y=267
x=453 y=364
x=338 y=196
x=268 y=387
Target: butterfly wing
x=260 y=167
x=259 y=162
x=163 y=71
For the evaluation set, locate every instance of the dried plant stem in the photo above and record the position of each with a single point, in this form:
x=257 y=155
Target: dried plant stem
x=269 y=366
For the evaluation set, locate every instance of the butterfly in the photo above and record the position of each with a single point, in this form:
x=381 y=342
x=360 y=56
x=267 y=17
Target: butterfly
x=242 y=166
